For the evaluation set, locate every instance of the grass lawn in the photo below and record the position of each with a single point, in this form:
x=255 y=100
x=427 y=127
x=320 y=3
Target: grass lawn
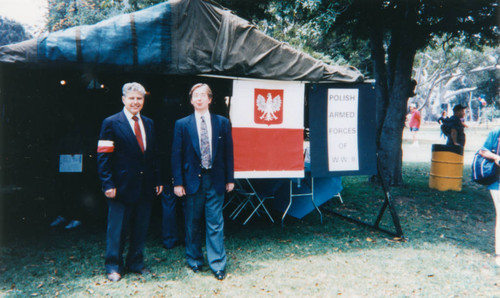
x=448 y=250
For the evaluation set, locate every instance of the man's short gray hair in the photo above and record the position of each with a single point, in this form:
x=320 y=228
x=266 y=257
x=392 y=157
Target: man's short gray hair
x=131 y=87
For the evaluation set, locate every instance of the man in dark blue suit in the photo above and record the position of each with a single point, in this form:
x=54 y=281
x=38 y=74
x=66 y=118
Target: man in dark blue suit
x=127 y=167
x=203 y=169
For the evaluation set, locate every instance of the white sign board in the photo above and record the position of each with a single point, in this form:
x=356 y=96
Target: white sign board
x=343 y=130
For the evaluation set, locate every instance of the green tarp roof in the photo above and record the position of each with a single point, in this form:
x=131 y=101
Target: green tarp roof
x=177 y=37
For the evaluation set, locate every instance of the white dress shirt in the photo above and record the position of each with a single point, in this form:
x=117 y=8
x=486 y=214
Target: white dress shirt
x=206 y=116
x=132 y=124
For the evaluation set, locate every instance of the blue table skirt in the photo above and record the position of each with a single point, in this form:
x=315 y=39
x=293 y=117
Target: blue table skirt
x=324 y=190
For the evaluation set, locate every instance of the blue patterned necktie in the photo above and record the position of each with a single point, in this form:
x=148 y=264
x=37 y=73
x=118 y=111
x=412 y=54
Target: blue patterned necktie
x=205 y=144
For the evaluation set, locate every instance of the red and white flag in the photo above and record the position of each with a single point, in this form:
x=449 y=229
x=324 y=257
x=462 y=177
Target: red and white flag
x=268 y=129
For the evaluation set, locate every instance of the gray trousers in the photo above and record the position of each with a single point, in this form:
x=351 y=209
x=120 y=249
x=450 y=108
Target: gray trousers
x=206 y=201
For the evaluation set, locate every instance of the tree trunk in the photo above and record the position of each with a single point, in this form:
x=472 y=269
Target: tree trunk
x=401 y=55
x=382 y=94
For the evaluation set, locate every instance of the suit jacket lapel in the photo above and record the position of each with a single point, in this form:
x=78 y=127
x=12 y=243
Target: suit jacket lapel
x=193 y=133
x=215 y=134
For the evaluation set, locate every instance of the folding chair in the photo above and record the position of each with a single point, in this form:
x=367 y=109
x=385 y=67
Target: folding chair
x=248 y=196
x=240 y=197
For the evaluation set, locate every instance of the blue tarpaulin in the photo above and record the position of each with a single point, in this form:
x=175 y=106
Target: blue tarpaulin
x=142 y=38
x=187 y=37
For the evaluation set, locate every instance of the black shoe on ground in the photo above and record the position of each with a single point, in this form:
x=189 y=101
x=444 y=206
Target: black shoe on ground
x=144 y=271
x=196 y=269
x=220 y=275
x=176 y=243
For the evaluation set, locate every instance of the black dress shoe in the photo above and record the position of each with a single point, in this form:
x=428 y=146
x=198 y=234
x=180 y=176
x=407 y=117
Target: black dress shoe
x=176 y=243
x=196 y=269
x=220 y=275
x=143 y=271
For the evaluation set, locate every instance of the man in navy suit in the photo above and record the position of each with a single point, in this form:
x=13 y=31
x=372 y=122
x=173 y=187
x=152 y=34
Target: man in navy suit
x=127 y=167
x=203 y=169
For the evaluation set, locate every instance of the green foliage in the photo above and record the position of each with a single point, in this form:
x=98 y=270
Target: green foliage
x=68 y=13
x=250 y=10
x=304 y=25
x=447 y=65
x=12 y=32
x=340 y=29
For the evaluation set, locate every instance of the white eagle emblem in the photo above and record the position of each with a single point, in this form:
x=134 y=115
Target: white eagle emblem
x=268 y=106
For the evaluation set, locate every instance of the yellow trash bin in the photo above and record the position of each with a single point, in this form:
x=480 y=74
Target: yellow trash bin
x=446 y=167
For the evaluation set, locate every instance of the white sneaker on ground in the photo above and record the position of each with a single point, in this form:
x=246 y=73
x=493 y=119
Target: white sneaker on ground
x=73 y=224
x=59 y=220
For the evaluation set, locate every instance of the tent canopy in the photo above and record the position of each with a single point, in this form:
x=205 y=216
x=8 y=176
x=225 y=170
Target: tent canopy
x=184 y=37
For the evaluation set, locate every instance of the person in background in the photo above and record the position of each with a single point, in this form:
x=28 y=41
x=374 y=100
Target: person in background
x=203 y=169
x=170 y=228
x=70 y=174
x=414 y=123
x=440 y=121
x=129 y=172
x=74 y=188
x=488 y=151
x=442 y=118
x=457 y=134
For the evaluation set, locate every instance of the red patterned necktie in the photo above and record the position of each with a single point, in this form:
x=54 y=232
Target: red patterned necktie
x=138 y=134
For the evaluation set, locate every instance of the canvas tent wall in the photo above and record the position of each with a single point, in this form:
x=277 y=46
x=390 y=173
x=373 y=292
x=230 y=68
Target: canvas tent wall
x=178 y=37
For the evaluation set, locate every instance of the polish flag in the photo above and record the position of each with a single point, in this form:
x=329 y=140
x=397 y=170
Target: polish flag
x=268 y=129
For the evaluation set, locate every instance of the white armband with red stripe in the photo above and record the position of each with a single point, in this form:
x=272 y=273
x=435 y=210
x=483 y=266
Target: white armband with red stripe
x=105 y=146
